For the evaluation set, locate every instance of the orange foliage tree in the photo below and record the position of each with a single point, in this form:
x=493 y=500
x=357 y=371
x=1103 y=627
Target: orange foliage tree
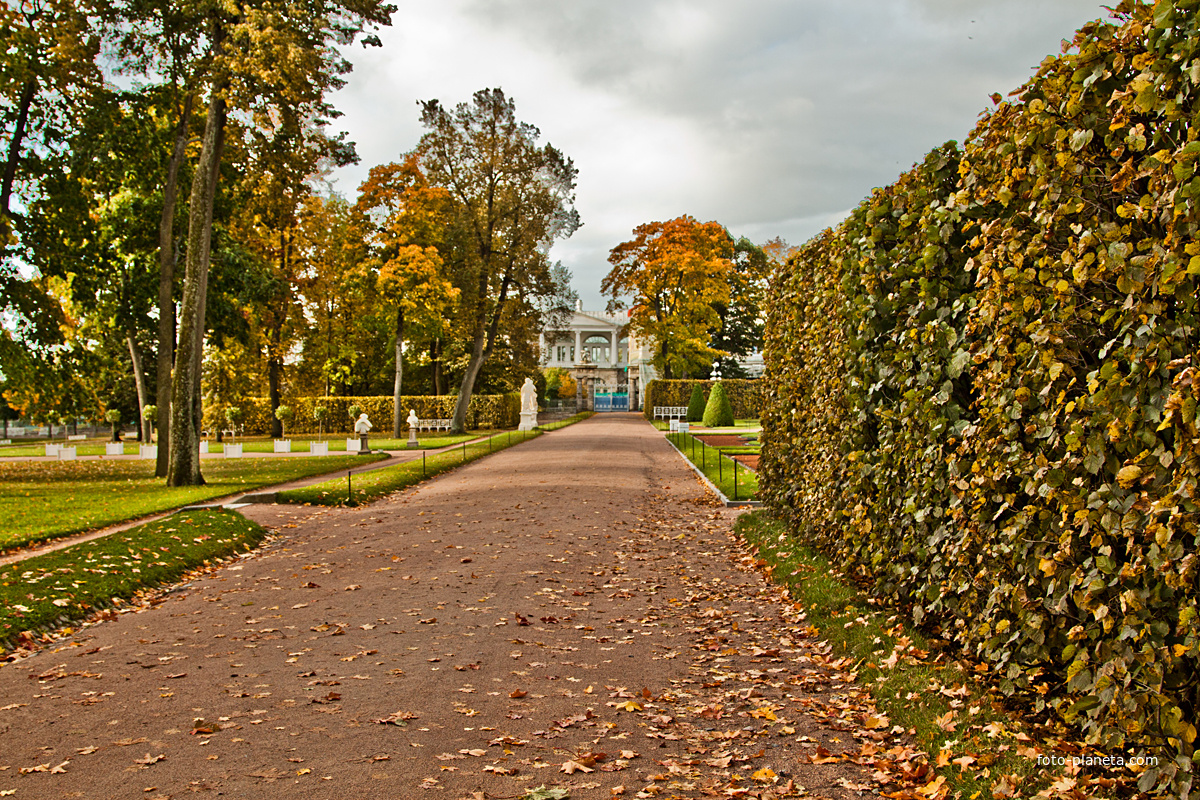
x=675 y=272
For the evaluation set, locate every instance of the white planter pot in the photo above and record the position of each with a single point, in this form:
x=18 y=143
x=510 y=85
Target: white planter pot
x=283 y=445
x=204 y=446
x=685 y=427
x=352 y=445
x=114 y=448
x=147 y=452
x=52 y=450
x=66 y=454
x=233 y=451
x=318 y=448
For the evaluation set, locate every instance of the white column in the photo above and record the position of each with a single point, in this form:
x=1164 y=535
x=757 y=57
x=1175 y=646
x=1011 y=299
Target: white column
x=542 y=348
x=578 y=347
x=612 y=362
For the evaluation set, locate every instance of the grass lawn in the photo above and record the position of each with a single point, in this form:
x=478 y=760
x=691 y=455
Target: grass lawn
x=45 y=591
x=381 y=482
x=92 y=447
x=735 y=482
x=664 y=425
x=252 y=444
x=265 y=444
x=562 y=423
x=916 y=688
x=46 y=500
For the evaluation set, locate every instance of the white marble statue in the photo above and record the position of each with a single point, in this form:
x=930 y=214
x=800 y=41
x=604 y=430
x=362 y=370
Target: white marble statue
x=413 y=420
x=529 y=396
x=363 y=426
x=529 y=406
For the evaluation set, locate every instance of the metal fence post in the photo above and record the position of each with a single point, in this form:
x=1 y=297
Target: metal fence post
x=349 y=490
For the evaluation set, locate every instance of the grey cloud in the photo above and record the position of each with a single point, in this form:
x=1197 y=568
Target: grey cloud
x=771 y=116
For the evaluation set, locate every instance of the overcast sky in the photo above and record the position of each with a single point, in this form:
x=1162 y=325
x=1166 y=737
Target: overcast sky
x=773 y=117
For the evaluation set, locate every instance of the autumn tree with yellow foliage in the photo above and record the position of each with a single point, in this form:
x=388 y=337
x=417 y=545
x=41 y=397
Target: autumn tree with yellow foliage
x=673 y=276
x=407 y=222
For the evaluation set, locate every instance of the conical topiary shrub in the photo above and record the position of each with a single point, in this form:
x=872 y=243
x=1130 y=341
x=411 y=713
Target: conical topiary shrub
x=695 y=411
x=719 y=411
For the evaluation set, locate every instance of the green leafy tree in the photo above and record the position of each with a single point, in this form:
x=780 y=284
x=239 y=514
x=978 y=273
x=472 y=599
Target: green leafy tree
x=514 y=198
x=719 y=411
x=265 y=60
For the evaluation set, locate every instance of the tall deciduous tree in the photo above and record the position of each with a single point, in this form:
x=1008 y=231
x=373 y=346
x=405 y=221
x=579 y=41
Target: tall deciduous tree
x=516 y=198
x=408 y=236
x=266 y=58
x=674 y=274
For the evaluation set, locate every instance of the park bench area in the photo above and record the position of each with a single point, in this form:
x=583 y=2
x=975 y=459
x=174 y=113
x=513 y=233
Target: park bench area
x=432 y=425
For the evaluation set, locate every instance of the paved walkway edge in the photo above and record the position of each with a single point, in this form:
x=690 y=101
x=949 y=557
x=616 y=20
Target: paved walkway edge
x=712 y=486
x=265 y=494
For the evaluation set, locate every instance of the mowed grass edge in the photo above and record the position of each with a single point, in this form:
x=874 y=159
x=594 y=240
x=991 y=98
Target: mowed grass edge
x=49 y=591
x=41 y=501
x=369 y=486
x=736 y=483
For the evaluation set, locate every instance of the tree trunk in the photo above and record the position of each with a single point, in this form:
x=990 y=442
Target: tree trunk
x=435 y=358
x=274 y=368
x=14 y=145
x=165 y=358
x=485 y=339
x=397 y=416
x=459 y=422
x=139 y=374
x=184 y=465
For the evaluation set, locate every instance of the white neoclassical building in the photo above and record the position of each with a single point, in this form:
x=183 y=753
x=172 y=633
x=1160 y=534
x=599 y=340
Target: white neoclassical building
x=603 y=359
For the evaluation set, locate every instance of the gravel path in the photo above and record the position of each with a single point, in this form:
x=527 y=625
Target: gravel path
x=571 y=612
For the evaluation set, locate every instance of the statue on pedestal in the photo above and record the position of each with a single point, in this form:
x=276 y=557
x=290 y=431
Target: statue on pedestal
x=413 y=422
x=362 y=427
x=529 y=406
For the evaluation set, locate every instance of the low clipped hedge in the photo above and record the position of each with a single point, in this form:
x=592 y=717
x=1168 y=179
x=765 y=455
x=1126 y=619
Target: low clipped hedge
x=744 y=395
x=981 y=390
x=484 y=411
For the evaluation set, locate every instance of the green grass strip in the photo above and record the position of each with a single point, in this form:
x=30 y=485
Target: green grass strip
x=562 y=423
x=717 y=468
x=42 y=500
x=368 y=486
x=53 y=589
x=915 y=687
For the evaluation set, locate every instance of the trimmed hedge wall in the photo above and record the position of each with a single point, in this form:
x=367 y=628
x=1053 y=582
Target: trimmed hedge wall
x=982 y=386
x=744 y=395
x=484 y=411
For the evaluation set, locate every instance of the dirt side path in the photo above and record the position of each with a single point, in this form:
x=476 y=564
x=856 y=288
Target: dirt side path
x=569 y=612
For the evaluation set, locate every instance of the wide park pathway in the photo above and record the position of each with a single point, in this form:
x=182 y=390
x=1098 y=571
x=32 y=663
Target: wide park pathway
x=571 y=613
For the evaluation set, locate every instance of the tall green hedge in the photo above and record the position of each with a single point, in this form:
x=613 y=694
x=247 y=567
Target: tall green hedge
x=982 y=386
x=745 y=395
x=484 y=411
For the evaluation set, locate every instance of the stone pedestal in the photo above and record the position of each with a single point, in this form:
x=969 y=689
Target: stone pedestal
x=528 y=421
x=412 y=437
x=364 y=449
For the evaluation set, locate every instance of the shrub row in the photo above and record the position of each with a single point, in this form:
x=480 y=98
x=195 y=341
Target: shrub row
x=745 y=395
x=982 y=386
x=484 y=411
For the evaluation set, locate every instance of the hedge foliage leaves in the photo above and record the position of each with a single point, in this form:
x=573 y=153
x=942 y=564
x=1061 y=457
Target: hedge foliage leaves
x=981 y=389
x=484 y=411
x=744 y=395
